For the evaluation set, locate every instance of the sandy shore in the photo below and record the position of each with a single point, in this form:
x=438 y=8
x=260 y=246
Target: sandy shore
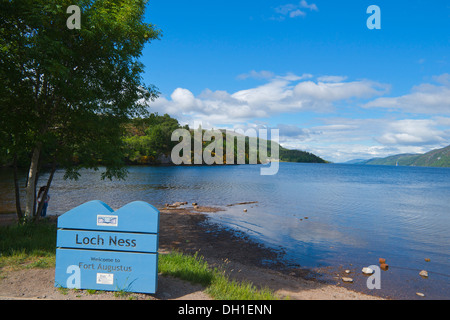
x=188 y=230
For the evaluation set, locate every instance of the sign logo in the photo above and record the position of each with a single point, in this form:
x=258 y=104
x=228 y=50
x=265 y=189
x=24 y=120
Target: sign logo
x=107 y=220
x=105 y=278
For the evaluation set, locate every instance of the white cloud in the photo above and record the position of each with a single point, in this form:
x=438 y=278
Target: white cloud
x=329 y=136
x=443 y=79
x=286 y=8
x=296 y=13
x=332 y=78
x=335 y=91
x=183 y=97
x=424 y=98
x=280 y=94
x=413 y=132
x=290 y=132
x=293 y=10
x=341 y=139
x=304 y=4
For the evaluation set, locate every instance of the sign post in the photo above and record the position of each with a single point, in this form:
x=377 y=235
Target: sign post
x=102 y=249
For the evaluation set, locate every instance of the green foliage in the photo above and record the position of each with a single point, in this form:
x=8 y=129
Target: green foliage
x=71 y=89
x=299 y=156
x=66 y=93
x=147 y=138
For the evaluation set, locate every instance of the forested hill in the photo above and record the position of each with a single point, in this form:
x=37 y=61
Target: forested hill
x=299 y=156
x=148 y=141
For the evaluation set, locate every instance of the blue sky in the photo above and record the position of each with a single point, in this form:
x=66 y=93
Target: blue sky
x=312 y=69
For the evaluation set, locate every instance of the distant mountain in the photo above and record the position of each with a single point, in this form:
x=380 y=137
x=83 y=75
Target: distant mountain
x=434 y=158
x=405 y=159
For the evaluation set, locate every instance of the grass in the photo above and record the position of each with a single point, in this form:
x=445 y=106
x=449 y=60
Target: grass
x=27 y=246
x=191 y=268
x=33 y=246
x=218 y=285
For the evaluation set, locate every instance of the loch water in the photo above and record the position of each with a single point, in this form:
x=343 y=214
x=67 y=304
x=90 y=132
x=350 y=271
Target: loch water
x=326 y=217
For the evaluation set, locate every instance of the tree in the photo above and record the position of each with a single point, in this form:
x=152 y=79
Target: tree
x=148 y=138
x=66 y=92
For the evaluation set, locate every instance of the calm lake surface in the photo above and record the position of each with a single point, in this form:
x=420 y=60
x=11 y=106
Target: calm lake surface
x=355 y=214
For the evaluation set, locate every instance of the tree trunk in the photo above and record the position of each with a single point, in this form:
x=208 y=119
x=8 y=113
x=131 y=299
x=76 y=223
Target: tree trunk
x=49 y=182
x=31 y=183
x=16 y=189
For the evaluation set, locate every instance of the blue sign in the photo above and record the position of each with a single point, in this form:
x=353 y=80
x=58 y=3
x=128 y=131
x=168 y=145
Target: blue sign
x=99 y=248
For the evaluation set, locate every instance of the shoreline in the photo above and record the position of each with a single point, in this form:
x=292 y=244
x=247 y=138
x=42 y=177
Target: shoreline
x=188 y=230
x=246 y=259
